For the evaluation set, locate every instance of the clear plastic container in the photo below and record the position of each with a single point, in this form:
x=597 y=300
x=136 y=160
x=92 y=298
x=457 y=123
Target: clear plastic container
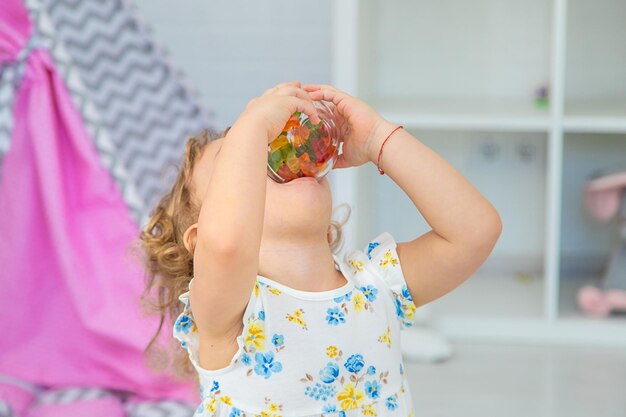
x=304 y=149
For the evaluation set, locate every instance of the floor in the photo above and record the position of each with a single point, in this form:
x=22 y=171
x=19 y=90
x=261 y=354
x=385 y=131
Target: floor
x=521 y=381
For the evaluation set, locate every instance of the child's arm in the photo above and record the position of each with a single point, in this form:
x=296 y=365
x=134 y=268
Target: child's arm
x=232 y=212
x=465 y=225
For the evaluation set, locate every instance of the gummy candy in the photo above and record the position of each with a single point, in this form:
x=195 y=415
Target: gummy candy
x=293 y=163
x=304 y=149
x=308 y=168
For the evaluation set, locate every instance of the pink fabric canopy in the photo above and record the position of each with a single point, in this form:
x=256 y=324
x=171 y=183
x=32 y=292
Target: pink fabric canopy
x=69 y=298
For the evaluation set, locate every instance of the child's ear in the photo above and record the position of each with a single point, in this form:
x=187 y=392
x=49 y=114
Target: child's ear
x=189 y=238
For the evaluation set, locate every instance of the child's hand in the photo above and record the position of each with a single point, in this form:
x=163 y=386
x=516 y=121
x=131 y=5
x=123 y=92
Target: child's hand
x=275 y=106
x=357 y=123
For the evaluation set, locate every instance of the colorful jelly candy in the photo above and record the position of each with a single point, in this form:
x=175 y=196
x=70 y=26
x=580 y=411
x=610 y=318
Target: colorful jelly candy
x=304 y=149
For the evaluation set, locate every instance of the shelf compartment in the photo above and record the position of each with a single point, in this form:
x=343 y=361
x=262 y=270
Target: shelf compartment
x=601 y=116
x=509 y=169
x=595 y=66
x=493 y=115
x=573 y=332
x=481 y=296
x=481 y=60
x=585 y=243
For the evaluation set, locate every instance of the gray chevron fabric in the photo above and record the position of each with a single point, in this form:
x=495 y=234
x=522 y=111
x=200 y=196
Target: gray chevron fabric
x=135 y=106
x=158 y=409
x=143 y=408
x=70 y=395
x=10 y=77
x=133 y=406
x=164 y=408
x=6 y=410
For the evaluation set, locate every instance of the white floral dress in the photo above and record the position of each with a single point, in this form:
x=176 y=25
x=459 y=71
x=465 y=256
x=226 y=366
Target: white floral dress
x=301 y=353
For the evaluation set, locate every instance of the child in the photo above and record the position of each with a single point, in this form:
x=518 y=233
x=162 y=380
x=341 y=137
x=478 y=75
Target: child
x=273 y=322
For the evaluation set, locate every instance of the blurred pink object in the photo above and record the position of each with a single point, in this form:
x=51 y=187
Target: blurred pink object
x=600 y=303
x=69 y=304
x=605 y=200
x=602 y=196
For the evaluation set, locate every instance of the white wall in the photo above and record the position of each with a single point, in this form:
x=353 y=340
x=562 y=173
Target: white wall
x=233 y=50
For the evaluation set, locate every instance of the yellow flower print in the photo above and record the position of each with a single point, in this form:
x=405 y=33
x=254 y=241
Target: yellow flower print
x=388 y=259
x=356 y=264
x=331 y=351
x=358 y=301
x=256 y=335
x=226 y=400
x=368 y=410
x=385 y=338
x=350 y=398
x=274 y=407
x=211 y=405
x=273 y=290
x=409 y=310
x=256 y=288
x=296 y=317
x=269 y=414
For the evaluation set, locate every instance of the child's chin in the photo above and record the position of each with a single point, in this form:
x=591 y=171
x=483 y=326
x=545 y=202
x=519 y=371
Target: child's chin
x=302 y=180
x=302 y=192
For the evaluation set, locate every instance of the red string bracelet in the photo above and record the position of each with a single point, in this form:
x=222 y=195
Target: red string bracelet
x=381 y=148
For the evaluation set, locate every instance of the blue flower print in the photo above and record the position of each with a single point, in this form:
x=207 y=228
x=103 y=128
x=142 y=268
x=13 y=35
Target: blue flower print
x=405 y=293
x=369 y=292
x=399 y=311
x=343 y=297
x=342 y=414
x=265 y=364
x=329 y=373
x=245 y=359
x=391 y=403
x=335 y=316
x=370 y=247
x=372 y=389
x=371 y=370
x=183 y=324
x=355 y=363
x=278 y=340
x=262 y=314
x=235 y=412
x=216 y=386
x=329 y=408
x=321 y=391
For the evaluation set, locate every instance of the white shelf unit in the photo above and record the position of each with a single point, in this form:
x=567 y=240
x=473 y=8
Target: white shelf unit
x=461 y=77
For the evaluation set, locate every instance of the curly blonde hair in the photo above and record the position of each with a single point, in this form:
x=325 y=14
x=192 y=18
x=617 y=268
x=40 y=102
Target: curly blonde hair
x=169 y=265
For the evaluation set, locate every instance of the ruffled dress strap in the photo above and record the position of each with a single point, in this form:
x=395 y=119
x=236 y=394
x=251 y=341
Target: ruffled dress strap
x=186 y=331
x=384 y=260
